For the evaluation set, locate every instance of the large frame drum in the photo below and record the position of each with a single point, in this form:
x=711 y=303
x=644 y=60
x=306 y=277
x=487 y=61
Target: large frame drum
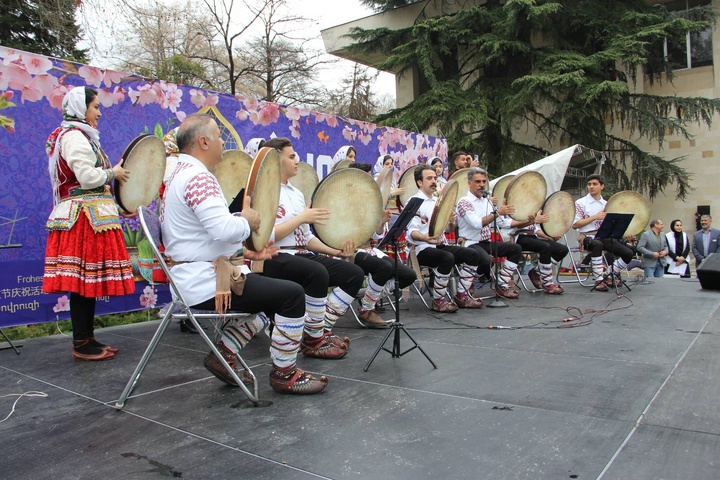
x=145 y=158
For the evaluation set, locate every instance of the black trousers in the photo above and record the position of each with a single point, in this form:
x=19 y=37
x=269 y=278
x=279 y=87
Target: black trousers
x=547 y=249
x=312 y=276
x=443 y=257
x=596 y=246
x=512 y=251
x=269 y=295
x=348 y=276
x=383 y=269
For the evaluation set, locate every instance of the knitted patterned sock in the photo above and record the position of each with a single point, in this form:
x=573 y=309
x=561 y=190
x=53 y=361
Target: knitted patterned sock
x=241 y=330
x=619 y=266
x=372 y=294
x=506 y=274
x=467 y=277
x=336 y=306
x=285 y=341
x=315 y=316
x=439 y=287
x=546 y=274
x=597 y=267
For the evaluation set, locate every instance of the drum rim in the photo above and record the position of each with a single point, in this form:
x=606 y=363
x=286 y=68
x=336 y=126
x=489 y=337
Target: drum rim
x=117 y=186
x=399 y=197
x=508 y=189
x=451 y=186
x=257 y=164
x=385 y=177
x=646 y=204
x=510 y=177
x=565 y=194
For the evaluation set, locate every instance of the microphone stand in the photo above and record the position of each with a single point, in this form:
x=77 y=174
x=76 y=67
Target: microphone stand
x=495 y=302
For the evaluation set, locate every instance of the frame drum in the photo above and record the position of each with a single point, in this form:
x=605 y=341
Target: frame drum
x=385 y=181
x=263 y=188
x=145 y=159
x=306 y=180
x=527 y=193
x=341 y=164
x=444 y=208
x=356 y=207
x=501 y=185
x=232 y=173
x=461 y=177
x=630 y=202
x=407 y=181
x=560 y=207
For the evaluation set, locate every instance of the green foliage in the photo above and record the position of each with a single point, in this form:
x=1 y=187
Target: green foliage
x=563 y=71
x=64 y=326
x=46 y=27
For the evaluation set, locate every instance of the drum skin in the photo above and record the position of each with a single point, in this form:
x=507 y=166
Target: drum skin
x=144 y=158
x=263 y=188
x=356 y=207
x=461 y=177
x=631 y=202
x=341 y=164
x=232 y=173
x=526 y=193
x=560 y=207
x=501 y=186
x=444 y=208
x=407 y=181
x=306 y=180
x=384 y=181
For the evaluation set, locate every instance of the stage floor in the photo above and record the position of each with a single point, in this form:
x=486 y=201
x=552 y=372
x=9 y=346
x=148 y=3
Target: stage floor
x=631 y=394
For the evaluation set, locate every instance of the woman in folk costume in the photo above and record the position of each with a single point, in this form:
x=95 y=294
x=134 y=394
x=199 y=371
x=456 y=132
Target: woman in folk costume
x=346 y=152
x=85 y=253
x=382 y=162
x=678 y=250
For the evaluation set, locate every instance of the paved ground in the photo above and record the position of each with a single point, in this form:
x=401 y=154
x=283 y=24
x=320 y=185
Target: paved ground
x=631 y=394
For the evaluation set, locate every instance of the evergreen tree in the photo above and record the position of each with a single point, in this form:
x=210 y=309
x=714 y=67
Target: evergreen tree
x=46 y=27
x=565 y=71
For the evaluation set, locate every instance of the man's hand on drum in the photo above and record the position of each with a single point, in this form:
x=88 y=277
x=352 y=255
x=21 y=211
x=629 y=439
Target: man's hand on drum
x=348 y=249
x=431 y=240
x=599 y=215
x=250 y=215
x=383 y=220
x=120 y=173
x=266 y=253
x=506 y=209
x=397 y=191
x=540 y=218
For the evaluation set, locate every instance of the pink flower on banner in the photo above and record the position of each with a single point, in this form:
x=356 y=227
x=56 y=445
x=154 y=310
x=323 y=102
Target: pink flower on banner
x=409 y=142
x=348 y=134
x=295 y=129
x=143 y=95
x=364 y=138
x=35 y=64
x=254 y=118
x=172 y=97
x=269 y=113
x=250 y=104
x=148 y=297
x=10 y=55
x=108 y=98
x=56 y=96
x=212 y=100
x=292 y=113
x=92 y=75
x=62 y=305
x=180 y=115
x=331 y=120
x=111 y=77
x=241 y=115
x=40 y=86
x=197 y=98
x=17 y=77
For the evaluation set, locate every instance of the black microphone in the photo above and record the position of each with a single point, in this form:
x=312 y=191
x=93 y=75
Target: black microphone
x=485 y=194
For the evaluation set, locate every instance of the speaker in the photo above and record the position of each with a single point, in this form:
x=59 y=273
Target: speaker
x=709 y=272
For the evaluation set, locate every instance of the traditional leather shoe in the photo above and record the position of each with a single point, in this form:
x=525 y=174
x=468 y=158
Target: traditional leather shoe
x=609 y=282
x=371 y=319
x=601 y=286
x=295 y=381
x=534 y=277
x=213 y=365
x=553 y=289
x=337 y=340
x=322 y=347
x=443 y=305
x=84 y=350
x=110 y=349
x=507 y=292
x=465 y=300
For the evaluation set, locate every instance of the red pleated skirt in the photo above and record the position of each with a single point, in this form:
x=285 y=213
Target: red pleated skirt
x=85 y=262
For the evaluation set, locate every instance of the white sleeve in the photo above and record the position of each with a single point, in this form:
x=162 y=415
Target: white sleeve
x=81 y=159
x=204 y=196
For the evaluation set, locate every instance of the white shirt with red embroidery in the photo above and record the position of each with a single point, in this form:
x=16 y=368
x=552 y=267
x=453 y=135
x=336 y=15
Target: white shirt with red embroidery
x=292 y=204
x=197 y=227
x=470 y=211
x=421 y=222
x=586 y=207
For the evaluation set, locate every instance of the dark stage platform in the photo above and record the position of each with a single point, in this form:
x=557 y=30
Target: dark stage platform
x=632 y=394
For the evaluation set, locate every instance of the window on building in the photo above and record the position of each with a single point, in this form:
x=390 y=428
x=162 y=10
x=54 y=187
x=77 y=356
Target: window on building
x=695 y=50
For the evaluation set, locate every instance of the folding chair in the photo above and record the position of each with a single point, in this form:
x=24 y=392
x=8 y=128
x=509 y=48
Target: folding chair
x=151 y=228
x=524 y=259
x=576 y=267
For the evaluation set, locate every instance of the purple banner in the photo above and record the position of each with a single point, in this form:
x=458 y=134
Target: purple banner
x=31 y=91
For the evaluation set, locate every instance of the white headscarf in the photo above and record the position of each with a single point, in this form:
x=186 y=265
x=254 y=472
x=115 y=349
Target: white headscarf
x=74 y=113
x=253 y=145
x=341 y=154
x=379 y=164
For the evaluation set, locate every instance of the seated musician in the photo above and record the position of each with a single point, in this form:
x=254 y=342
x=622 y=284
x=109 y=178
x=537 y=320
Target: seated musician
x=476 y=213
x=435 y=253
x=531 y=238
x=380 y=270
x=199 y=234
x=299 y=261
x=589 y=214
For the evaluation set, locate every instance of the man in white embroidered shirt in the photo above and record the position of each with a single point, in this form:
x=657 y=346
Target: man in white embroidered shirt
x=435 y=253
x=589 y=215
x=199 y=230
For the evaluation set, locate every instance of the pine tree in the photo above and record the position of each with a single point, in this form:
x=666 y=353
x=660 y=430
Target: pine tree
x=46 y=27
x=564 y=70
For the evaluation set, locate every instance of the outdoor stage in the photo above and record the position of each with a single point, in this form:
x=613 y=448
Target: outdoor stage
x=633 y=394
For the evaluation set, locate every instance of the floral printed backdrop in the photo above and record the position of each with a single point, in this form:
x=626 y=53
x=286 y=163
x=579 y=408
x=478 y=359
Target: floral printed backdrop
x=31 y=91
